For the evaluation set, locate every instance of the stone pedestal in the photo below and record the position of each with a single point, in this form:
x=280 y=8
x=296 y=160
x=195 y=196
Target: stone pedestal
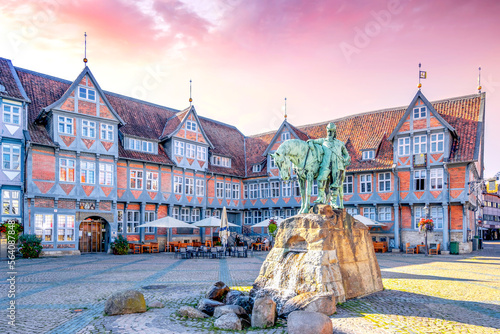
x=326 y=252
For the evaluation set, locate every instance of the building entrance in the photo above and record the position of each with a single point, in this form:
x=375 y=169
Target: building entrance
x=93 y=235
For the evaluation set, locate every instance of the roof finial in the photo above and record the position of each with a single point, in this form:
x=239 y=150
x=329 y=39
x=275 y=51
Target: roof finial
x=285 y=110
x=85 y=60
x=190 y=99
x=421 y=75
x=479 y=81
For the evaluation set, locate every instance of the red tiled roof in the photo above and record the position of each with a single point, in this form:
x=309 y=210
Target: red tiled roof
x=173 y=122
x=161 y=157
x=9 y=80
x=255 y=147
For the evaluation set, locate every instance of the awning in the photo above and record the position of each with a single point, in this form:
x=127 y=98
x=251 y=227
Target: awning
x=367 y=221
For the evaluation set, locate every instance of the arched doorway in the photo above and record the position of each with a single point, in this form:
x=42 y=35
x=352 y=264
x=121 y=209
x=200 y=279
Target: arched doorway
x=94 y=235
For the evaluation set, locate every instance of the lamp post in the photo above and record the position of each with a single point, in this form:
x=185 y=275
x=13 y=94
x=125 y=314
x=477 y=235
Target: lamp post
x=426 y=211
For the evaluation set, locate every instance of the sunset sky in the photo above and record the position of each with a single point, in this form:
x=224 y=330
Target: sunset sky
x=328 y=58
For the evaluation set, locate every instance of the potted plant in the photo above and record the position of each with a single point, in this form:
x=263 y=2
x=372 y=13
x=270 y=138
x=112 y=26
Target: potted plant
x=11 y=228
x=120 y=245
x=30 y=245
x=272 y=228
x=426 y=225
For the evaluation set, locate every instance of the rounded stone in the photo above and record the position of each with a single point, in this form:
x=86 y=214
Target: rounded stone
x=208 y=306
x=191 y=312
x=232 y=296
x=264 y=313
x=217 y=291
x=221 y=310
x=228 y=321
x=246 y=302
x=303 y=322
x=125 y=302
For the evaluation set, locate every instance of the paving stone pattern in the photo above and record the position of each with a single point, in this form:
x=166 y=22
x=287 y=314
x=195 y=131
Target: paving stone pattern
x=437 y=294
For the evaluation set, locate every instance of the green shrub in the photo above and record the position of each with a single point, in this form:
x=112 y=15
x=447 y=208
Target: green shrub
x=30 y=245
x=12 y=228
x=120 y=245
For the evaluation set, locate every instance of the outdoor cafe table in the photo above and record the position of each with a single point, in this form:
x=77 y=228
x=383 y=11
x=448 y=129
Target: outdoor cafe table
x=147 y=246
x=257 y=245
x=418 y=248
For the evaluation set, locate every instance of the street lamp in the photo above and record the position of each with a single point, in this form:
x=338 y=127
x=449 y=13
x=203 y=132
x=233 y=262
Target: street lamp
x=426 y=212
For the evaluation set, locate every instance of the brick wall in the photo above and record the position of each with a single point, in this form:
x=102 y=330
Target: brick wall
x=44 y=203
x=457 y=177
x=105 y=205
x=66 y=204
x=406 y=221
x=404 y=181
x=456 y=217
x=44 y=167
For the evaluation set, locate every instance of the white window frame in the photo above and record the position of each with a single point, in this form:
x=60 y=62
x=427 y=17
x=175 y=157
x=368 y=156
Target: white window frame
x=418 y=213
x=87 y=172
x=436 y=179
x=191 y=126
x=352 y=211
x=10 y=202
x=420 y=174
x=134 y=144
x=200 y=187
x=348 y=184
x=179 y=148
x=86 y=94
x=11 y=113
x=286 y=189
x=272 y=163
x=119 y=219
x=107 y=132
x=176 y=212
x=190 y=151
x=257 y=216
x=384 y=213
x=365 y=183
x=189 y=186
x=65 y=125
x=253 y=190
x=178 y=183
x=227 y=191
x=219 y=189
x=11 y=156
x=404 y=146
x=65 y=168
x=419 y=112
x=314 y=189
x=437 y=217
x=106 y=172
x=245 y=191
x=152 y=181
x=285 y=136
x=256 y=168
x=65 y=228
x=368 y=155
x=201 y=153
x=420 y=144
x=236 y=191
x=147 y=146
x=149 y=216
x=437 y=142
x=195 y=215
x=369 y=212
x=221 y=161
x=248 y=218
x=134 y=222
x=384 y=182
x=136 y=178
x=264 y=189
x=274 y=189
x=88 y=128
x=44 y=227
x=185 y=214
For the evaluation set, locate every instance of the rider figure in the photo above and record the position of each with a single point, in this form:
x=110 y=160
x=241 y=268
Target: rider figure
x=335 y=160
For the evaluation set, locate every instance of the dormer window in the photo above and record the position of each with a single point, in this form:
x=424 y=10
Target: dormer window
x=87 y=94
x=140 y=145
x=11 y=114
x=190 y=125
x=285 y=136
x=221 y=161
x=368 y=155
x=420 y=112
x=256 y=168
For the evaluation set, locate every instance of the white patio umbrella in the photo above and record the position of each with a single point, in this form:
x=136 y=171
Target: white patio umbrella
x=168 y=222
x=212 y=222
x=224 y=228
x=367 y=221
x=265 y=223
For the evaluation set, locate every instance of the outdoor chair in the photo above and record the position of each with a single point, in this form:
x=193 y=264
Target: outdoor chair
x=409 y=250
x=241 y=251
x=176 y=252
x=183 y=253
x=213 y=253
x=155 y=247
x=435 y=250
x=136 y=248
x=220 y=252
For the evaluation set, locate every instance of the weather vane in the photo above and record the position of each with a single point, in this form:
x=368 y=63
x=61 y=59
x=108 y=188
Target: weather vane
x=285 y=109
x=421 y=75
x=479 y=81
x=190 y=98
x=85 y=60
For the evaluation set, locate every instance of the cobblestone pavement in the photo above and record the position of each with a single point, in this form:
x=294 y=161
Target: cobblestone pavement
x=437 y=294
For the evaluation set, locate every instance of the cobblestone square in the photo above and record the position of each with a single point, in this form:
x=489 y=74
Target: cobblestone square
x=437 y=294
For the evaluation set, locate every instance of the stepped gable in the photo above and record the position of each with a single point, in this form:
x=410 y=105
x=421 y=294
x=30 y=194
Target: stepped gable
x=228 y=141
x=255 y=147
x=10 y=81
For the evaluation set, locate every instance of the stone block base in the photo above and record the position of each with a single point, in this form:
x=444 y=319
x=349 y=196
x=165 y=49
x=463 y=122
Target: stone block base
x=46 y=253
x=445 y=252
